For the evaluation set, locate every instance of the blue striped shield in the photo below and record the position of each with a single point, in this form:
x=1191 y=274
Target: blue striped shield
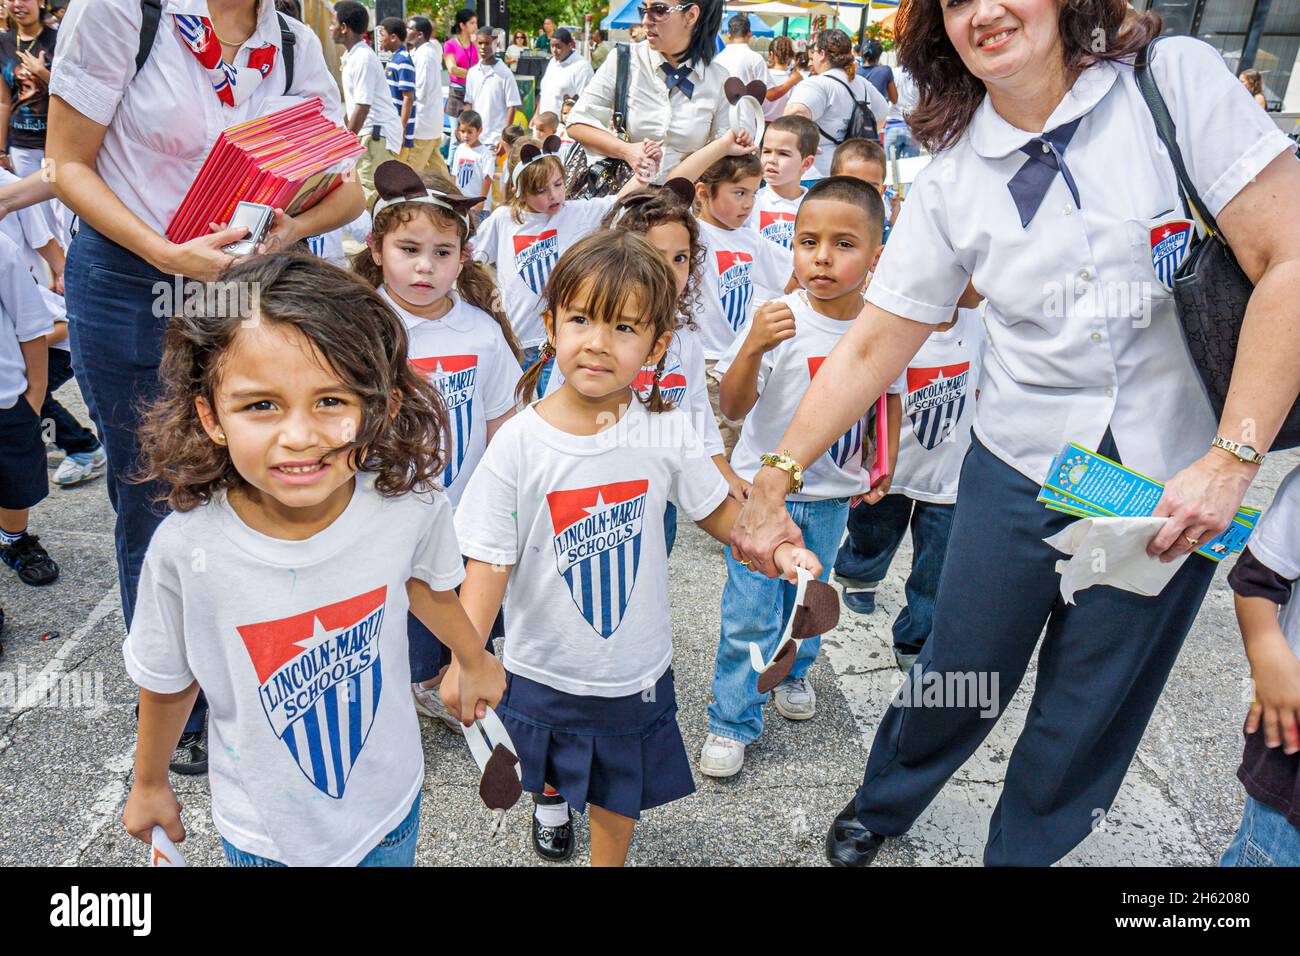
x=535 y=257
x=1170 y=243
x=320 y=679
x=454 y=376
x=598 y=547
x=734 y=288
x=850 y=443
x=935 y=400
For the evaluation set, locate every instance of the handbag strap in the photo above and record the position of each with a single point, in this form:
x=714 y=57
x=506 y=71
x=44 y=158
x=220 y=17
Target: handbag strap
x=622 y=78
x=1169 y=136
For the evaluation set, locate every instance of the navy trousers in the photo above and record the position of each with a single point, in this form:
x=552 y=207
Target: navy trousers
x=116 y=341
x=1101 y=668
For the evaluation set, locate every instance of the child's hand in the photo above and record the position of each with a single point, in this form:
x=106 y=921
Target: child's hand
x=482 y=683
x=772 y=324
x=875 y=494
x=739 y=142
x=449 y=688
x=1276 y=671
x=738 y=487
x=788 y=557
x=150 y=806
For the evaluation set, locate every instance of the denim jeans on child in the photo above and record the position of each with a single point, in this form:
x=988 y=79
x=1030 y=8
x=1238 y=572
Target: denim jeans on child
x=875 y=532
x=1265 y=838
x=69 y=434
x=756 y=608
x=396 y=849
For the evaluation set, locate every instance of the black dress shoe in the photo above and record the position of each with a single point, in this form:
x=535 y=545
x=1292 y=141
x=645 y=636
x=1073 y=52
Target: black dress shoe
x=553 y=844
x=848 y=842
x=191 y=755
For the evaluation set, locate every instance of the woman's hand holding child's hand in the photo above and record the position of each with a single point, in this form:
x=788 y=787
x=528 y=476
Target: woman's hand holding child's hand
x=788 y=557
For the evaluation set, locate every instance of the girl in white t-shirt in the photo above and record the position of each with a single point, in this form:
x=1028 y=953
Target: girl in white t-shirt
x=417 y=257
x=525 y=238
x=564 y=519
x=300 y=453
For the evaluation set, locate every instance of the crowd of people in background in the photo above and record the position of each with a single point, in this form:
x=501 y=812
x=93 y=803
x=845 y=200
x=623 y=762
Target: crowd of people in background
x=426 y=403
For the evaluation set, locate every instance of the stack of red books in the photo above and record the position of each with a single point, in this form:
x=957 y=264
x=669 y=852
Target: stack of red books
x=289 y=160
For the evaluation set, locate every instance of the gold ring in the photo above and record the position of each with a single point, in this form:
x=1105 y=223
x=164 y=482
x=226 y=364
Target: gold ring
x=1190 y=540
x=748 y=563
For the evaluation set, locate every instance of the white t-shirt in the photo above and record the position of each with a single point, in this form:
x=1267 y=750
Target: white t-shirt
x=772 y=109
x=784 y=374
x=742 y=62
x=683 y=383
x=831 y=106
x=29 y=229
x=364 y=84
x=428 y=90
x=329 y=245
x=23 y=317
x=465 y=355
x=491 y=91
x=300 y=648
x=907 y=96
x=525 y=253
x=741 y=270
x=1275 y=542
x=938 y=409
x=1083 y=335
x=569 y=78
x=773 y=217
x=162 y=121
x=471 y=165
x=580 y=518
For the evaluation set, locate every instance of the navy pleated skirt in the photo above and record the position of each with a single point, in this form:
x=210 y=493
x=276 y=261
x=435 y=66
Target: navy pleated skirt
x=624 y=754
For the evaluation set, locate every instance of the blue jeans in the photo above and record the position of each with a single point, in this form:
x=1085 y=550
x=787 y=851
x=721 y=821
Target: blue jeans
x=1265 y=838
x=875 y=532
x=756 y=608
x=116 y=343
x=396 y=849
x=899 y=142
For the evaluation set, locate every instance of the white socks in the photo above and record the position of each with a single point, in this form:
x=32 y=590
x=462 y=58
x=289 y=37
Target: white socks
x=552 y=814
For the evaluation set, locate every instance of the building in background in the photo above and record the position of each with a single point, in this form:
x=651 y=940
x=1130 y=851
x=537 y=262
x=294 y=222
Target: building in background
x=1263 y=34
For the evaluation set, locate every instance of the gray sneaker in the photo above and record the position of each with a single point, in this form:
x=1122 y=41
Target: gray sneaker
x=721 y=756
x=428 y=703
x=80 y=467
x=795 y=699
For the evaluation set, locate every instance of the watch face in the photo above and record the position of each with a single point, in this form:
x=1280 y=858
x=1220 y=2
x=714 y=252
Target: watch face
x=1245 y=451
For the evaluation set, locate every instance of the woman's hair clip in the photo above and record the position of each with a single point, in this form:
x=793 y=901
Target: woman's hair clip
x=398 y=183
x=529 y=153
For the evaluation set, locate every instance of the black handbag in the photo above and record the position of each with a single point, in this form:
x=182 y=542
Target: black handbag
x=1210 y=288
x=607 y=175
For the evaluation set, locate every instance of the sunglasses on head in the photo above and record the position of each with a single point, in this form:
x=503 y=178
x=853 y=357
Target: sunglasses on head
x=657 y=11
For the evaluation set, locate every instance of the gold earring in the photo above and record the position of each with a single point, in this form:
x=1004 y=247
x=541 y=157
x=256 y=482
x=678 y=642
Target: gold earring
x=221 y=437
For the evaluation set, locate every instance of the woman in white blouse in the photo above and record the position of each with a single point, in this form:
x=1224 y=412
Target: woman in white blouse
x=126 y=146
x=1063 y=193
x=674 y=91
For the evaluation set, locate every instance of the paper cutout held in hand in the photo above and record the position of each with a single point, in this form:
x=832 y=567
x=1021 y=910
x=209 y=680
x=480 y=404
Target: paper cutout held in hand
x=492 y=749
x=163 y=852
x=817 y=610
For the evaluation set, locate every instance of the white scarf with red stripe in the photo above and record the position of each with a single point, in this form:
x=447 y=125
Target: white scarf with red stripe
x=232 y=84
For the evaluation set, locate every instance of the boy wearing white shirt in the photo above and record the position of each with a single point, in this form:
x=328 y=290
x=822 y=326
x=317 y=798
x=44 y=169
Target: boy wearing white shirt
x=789 y=148
x=491 y=90
x=765 y=375
x=939 y=407
x=473 y=163
x=567 y=73
x=24 y=363
x=367 y=101
x=737 y=58
x=426 y=54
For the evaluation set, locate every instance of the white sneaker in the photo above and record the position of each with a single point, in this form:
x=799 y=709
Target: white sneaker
x=81 y=466
x=795 y=699
x=721 y=756
x=428 y=703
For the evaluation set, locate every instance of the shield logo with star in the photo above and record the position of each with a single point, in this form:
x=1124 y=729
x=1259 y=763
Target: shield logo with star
x=1170 y=243
x=598 y=547
x=454 y=376
x=936 y=397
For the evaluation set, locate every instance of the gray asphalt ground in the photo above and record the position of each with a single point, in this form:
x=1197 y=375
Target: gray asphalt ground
x=65 y=770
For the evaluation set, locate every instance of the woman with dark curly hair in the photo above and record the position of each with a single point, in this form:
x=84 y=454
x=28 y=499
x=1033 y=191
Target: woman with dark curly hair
x=300 y=454
x=1051 y=194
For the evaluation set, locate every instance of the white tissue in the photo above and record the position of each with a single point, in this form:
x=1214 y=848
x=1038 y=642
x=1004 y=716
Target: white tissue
x=1112 y=551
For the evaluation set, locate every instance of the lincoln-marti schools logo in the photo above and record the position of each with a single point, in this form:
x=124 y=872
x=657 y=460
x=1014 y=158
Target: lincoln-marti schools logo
x=320 y=680
x=935 y=400
x=465 y=165
x=733 y=286
x=535 y=257
x=672 y=383
x=777 y=227
x=454 y=377
x=848 y=444
x=598 y=547
x=1170 y=243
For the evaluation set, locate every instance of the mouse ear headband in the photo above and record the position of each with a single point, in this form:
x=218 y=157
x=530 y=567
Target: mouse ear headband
x=529 y=154
x=737 y=91
x=679 y=186
x=398 y=183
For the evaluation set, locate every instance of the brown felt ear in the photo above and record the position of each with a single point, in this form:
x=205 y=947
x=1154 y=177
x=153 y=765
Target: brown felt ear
x=733 y=89
x=500 y=788
x=819 y=613
x=528 y=153
x=756 y=89
x=682 y=188
x=780 y=668
x=394 y=179
x=552 y=144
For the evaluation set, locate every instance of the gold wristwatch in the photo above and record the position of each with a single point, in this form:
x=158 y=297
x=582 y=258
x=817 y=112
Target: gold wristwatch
x=1242 y=452
x=787 y=464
